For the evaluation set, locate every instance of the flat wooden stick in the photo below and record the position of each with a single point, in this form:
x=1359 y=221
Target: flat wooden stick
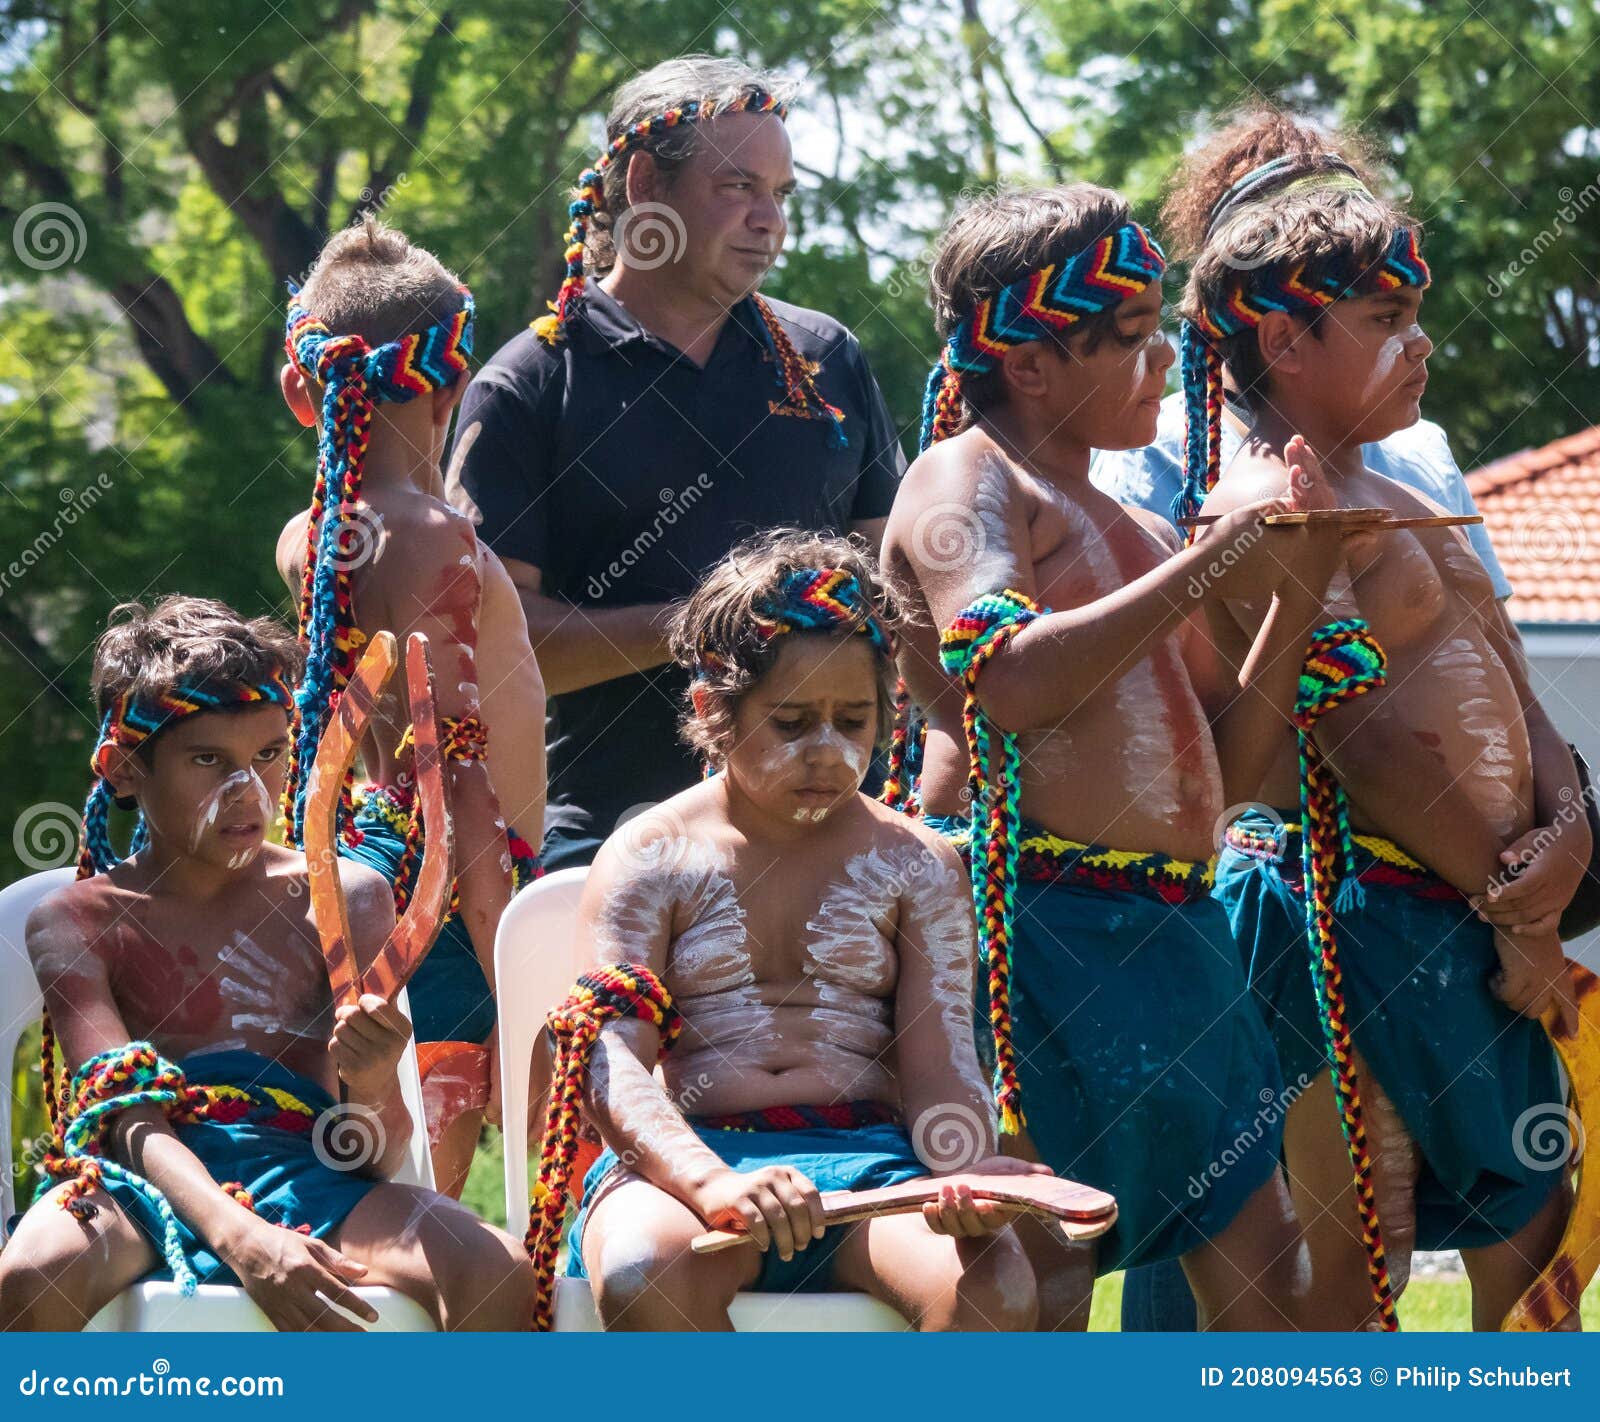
x=1084 y=1213
x=336 y=753
x=1378 y=520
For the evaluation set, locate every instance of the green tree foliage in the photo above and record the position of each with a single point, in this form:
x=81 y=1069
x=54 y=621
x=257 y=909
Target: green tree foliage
x=1486 y=111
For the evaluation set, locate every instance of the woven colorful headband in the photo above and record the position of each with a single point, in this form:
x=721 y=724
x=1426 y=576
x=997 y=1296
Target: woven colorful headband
x=131 y=722
x=396 y=371
x=1250 y=297
x=588 y=199
x=810 y=600
x=1105 y=274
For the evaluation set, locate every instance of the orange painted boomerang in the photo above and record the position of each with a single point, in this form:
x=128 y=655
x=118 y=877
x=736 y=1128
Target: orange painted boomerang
x=1555 y=1293
x=411 y=938
x=1083 y=1212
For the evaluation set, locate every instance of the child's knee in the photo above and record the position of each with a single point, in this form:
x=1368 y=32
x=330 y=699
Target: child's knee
x=36 y=1298
x=489 y=1286
x=649 y=1284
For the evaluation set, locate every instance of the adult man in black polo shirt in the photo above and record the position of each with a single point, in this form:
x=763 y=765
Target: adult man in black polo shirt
x=612 y=459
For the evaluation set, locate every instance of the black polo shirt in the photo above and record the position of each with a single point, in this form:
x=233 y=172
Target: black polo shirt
x=623 y=471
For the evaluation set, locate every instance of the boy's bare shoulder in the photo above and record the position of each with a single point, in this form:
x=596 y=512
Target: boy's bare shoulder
x=1156 y=526
x=895 y=831
x=1255 y=473
x=62 y=923
x=290 y=556
x=956 y=468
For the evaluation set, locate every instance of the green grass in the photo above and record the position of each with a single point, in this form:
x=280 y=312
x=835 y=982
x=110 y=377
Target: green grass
x=1428 y=1306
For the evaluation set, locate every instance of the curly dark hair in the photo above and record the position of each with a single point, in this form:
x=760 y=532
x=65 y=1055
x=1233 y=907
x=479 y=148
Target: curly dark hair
x=1312 y=228
x=1001 y=238
x=714 y=632
x=151 y=651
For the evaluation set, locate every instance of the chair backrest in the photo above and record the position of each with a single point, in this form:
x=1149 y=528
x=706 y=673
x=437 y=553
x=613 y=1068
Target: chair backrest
x=21 y=1006
x=20 y=1003
x=536 y=961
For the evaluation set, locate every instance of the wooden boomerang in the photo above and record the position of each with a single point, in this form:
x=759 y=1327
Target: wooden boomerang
x=411 y=938
x=1378 y=520
x=1083 y=1212
x=1555 y=1293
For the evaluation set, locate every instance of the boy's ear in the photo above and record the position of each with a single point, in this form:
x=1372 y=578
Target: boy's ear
x=1024 y=367
x=700 y=699
x=296 y=396
x=446 y=399
x=1278 y=341
x=124 y=772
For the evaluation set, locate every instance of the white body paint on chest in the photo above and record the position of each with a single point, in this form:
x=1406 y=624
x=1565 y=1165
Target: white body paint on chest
x=256 y=987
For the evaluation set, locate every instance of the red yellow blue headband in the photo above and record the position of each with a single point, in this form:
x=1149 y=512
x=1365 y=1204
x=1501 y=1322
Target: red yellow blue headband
x=1051 y=300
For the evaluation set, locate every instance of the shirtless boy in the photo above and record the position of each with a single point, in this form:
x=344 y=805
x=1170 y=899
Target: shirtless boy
x=201 y=944
x=1128 y=1034
x=820 y=949
x=394 y=555
x=1449 y=767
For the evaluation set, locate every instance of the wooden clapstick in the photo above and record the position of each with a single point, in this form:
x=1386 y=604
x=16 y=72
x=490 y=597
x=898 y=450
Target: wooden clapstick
x=1378 y=520
x=413 y=936
x=1550 y=1298
x=1082 y=1212
x=336 y=753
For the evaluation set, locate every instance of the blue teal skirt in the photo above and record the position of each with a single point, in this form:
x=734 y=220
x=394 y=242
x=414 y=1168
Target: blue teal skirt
x=1459 y=1066
x=276 y=1163
x=1144 y=1070
x=858 y=1158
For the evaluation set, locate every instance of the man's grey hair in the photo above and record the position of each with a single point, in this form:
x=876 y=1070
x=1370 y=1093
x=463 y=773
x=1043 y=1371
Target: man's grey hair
x=713 y=81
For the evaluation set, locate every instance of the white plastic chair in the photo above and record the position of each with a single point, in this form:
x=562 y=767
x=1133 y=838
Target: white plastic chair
x=155 y=1306
x=537 y=959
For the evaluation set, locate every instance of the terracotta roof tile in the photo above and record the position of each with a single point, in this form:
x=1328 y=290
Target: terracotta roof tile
x=1542 y=510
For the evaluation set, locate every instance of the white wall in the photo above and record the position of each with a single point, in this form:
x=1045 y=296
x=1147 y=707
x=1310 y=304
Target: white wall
x=1566 y=678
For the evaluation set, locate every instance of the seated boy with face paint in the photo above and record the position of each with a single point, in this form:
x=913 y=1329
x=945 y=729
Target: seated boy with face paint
x=187 y=995
x=1081 y=710
x=377 y=343
x=820 y=950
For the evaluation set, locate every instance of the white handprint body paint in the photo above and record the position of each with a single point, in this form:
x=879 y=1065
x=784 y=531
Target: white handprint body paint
x=288 y=998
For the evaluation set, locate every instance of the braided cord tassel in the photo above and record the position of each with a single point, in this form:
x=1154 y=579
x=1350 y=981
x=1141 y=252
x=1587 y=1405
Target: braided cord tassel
x=800 y=386
x=1343 y=662
x=1201 y=366
x=895 y=794
x=979 y=631
x=941 y=403
x=604 y=995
